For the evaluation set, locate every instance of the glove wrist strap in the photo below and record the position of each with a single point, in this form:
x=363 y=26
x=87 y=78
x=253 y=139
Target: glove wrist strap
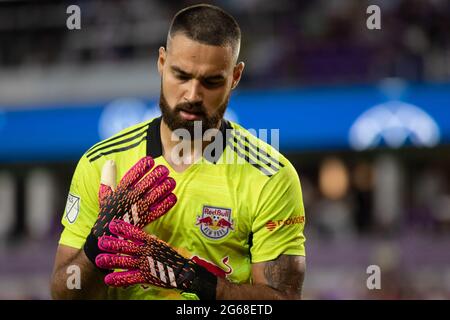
x=91 y=248
x=204 y=284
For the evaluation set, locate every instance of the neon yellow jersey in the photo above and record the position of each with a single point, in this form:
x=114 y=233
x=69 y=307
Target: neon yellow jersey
x=227 y=217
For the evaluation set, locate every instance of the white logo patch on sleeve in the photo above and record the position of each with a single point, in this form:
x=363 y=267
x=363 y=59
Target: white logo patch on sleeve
x=72 y=208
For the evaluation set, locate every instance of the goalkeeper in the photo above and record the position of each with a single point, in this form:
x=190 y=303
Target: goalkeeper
x=215 y=217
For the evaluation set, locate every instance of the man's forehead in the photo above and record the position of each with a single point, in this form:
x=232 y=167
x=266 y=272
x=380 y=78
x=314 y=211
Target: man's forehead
x=187 y=54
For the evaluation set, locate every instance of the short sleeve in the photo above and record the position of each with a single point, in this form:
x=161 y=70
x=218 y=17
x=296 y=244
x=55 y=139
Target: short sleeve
x=278 y=225
x=82 y=205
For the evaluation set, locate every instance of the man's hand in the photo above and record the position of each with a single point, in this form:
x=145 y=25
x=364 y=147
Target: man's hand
x=151 y=261
x=141 y=196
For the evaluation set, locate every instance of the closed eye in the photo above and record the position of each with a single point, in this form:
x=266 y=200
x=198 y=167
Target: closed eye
x=213 y=83
x=182 y=77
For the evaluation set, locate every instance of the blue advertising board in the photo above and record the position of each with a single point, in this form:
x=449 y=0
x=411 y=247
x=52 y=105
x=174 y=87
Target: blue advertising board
x=322 y=118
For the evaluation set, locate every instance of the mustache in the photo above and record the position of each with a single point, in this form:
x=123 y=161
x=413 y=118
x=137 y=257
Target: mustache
x=196 y=107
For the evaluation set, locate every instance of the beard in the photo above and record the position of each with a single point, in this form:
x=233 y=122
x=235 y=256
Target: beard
x=174 y=121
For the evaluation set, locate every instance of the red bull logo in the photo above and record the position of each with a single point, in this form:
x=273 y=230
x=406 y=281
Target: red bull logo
x=214 y=269
x=215 y=223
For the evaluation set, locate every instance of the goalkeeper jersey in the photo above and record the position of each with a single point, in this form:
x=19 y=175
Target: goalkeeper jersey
x=240 y=205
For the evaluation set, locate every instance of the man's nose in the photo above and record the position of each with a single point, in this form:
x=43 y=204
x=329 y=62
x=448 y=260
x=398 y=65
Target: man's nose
x=194 y=92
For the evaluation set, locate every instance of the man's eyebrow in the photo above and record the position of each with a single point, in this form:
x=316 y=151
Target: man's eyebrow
x=187 y=74
x=180 y=71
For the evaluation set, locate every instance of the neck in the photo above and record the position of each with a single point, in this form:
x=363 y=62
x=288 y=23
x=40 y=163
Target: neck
x=176 y=150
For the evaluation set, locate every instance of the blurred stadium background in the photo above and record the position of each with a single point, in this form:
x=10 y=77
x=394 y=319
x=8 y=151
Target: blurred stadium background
x=364 y=115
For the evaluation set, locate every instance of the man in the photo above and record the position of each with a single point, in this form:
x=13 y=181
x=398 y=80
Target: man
x=241 y=220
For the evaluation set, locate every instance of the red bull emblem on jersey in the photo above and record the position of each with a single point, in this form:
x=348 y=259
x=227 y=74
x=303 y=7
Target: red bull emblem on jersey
x=215 y=223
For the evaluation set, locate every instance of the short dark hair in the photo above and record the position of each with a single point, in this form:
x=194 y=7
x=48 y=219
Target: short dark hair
x=207 y=24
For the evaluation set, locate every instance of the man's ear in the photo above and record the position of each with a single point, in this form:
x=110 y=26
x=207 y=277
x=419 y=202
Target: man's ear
x=237 y=74
x=161 y=59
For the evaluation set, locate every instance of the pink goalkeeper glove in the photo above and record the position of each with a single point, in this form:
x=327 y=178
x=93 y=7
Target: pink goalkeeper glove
x=141 y=196
x=151 y=261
